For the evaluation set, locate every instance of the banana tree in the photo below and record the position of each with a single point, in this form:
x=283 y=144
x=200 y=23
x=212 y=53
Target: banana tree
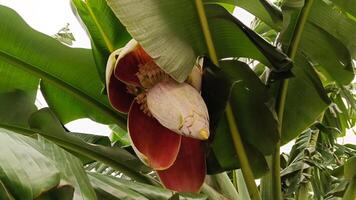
x=198 y=102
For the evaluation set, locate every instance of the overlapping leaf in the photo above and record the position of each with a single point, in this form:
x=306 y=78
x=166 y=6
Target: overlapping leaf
x=330 y=57
x=324 y=48
x=25 y=172
x=297 y=163
x=350 y=168
x=222 y=156
x=233 y=39
x=328 y=45
x=306 y=99
x=39 y=169
x=263 y=9
x=116 y=188
x=71 y=169
x=70 y=84
x=236 y=82
x=104 y=29
x=348 y=6
x=48 y=125
x=337 y=24
x=326 y=39
x=14 y=78
x=15 y=108
x=45 y=123
x=119 y=136
x=170 y=32
x=339 y=116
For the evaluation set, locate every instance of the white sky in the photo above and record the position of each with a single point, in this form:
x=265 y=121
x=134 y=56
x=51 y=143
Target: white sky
x=49 y=16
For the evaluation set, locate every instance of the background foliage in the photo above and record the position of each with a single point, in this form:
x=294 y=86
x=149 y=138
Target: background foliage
x=309 y=43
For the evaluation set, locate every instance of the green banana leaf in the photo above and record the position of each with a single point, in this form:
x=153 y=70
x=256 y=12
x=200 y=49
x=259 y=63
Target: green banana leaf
x=104 y=30
x=170 y=32
x=262 y=9
x=70 y=83
x=37 y=168
x=236 y=82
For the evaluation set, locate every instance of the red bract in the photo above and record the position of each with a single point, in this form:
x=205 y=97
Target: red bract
x=179 y=160
x=177 y=177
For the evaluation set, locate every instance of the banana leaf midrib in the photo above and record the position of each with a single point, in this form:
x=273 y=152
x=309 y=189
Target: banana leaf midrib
x=114 y=116
x=107 y=42
x=69 y=145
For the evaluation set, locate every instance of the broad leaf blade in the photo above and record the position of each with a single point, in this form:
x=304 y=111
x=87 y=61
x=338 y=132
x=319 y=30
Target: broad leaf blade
x=4 y=193
x=130 y=189
x=92 y=138
x=222 y=156
x=234 y=39
x=251 y=104
x=237 y=83
x=45 y=123
x=15 y=108
x=105 y=31
x=170 y=33
x=106 y=186
x=306 y=100
x=70 y=167
x=348 y=6
x=327 y=46
x=322 y=49
x=48 y=126
x=24 y=171
x=330 y=19
x=13 y=78
x=263 y=9
x=37 y=168
x=350 y=168
x=119 y=136
x=165 y=29
x=63 y=191
x=36 y=55
x=328 y=54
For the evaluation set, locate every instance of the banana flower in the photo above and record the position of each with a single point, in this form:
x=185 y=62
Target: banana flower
x=167 y=120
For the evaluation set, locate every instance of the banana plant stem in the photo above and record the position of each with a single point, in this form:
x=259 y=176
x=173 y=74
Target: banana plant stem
x=292 y=51
x=241 y=155
x=239 y=147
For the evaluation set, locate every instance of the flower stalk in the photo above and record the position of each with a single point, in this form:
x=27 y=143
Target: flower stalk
x=166 y=120
x=292 y=51
x=240 y=150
